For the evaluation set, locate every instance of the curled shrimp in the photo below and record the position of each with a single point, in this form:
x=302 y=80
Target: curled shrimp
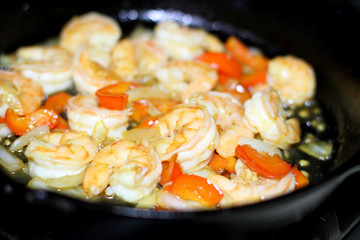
x=227 y=112
x=128 y=170
x=137 y=59
x=293 y=78
x=184 y=78
x=18 y=93
x=91 y=70
x=84 y=114
x=184 y=43
x=222 y=106
x=60 y=154
x=247 y=186
x=124 y=63
x=49 y=66
x=252 y=189
x=91 y=28
x=190 y=132
x=264 y=114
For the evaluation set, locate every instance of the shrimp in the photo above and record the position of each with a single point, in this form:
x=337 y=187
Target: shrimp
x=18 y=93
x=222 y=106
x=229 y=137
x=264 y=114
x=184 y=78
x=252 y=189
x=190 y=132
x=124 y=63
x=137 y=59
x=91 y=28
x=227 y=112
x=293 y=78
x=184 y=43
x=84 y=114
x=49 y=66
x=128 y=170
x=91 y=70
x=246 y=186
x=60 y=154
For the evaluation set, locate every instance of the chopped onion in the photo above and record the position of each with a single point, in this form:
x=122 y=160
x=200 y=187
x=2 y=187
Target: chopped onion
x=66 y=181
x=138 y=134
x=138 y=93
x=27 y=137
x=100 y=132
x=38 y=184
x=318 y=149
x=5 y=131
x=42 y=184
x=76 y=192
x=148 y=201
x=9 y=161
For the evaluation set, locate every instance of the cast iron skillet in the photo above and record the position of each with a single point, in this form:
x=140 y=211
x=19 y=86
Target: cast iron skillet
x=320 y=32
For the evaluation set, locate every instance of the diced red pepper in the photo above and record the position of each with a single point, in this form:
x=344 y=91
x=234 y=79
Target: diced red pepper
x=300 y=179
x=195 y=188
x=113 y=96
x=263 y=163
x=224 y=63
x=22 y=124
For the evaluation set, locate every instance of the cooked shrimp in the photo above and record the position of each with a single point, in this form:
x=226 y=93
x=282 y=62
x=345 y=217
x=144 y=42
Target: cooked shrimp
x=60 y=154
x=18 y=93
x=190 y=132
x=91 y=70
x=84 y=114
x=184 y=78
x=49 y=66
x=227 y=112
x=149 y=57
x=132 y=171
x=223 y=107
x=184 y=43
x=247 y=186
x=124 y=60
x=293 y=78
x=229 y=137
x=264 y=114
x=91 y=28
x=251 y=188
x=137 y=59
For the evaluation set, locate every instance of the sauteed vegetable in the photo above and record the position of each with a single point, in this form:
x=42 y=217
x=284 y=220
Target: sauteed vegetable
x=167 y=118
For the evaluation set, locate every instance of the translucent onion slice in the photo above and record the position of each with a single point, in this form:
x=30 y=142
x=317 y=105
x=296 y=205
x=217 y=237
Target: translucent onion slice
x=145 y=92
x=318 y=149
x=5 y=131
x=41 y=184
x=9 y=161
x=57 y=183
x=138 y=134
x=27 y=137
x=100 y=132
x=148 y=201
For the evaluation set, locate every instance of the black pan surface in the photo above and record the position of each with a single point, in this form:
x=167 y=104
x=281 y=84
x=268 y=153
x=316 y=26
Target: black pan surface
x=322 y=32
